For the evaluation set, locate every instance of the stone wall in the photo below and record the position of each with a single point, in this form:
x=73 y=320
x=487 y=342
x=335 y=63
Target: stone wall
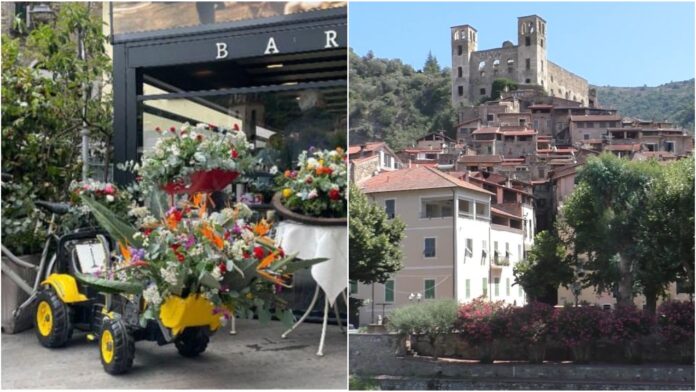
x=567 y=85
x=374 y=355
x=363 y=169
x=491 y=71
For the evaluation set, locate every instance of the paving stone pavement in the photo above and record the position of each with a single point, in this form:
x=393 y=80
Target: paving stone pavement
x=255 y=358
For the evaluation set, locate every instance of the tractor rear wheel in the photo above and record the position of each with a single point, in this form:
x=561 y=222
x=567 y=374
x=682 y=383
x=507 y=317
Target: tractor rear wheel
x=116 y=347
x=52 y=319
x=192 y=342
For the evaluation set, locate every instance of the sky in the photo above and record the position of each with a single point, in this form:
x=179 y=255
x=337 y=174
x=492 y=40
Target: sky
x=616 y=44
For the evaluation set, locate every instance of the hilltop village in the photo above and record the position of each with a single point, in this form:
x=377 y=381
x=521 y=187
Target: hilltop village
x=473 y=198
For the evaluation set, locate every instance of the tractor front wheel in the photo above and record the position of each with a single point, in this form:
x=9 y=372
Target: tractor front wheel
x=192 y=342
x=116 y=347
x=52 y=319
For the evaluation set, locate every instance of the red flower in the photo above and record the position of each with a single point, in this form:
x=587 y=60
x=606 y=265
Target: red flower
x=334 y=194
x=175 y=247
x=309 y=180
x=236 y=127
x=281 y=252
x=234 y=154
x=227 y=235
x=258 y=252
x=147 y=232
x=158 y=129
x=199 y=138
x=223 y=268
x=245 y=254
x=180 y=257
x=172 y=130
x=140 y=263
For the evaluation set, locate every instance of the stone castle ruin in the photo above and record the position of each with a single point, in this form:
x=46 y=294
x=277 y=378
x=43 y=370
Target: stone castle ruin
x=473 y=71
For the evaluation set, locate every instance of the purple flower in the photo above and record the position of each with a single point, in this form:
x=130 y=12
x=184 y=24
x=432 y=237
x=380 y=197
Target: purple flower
x=190 y=241
x=137 y=254
x=236 y=229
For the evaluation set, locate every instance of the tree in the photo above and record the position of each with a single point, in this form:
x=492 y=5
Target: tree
x=499 y=86
x=374 y=240
x=666 y=237
x=431 y=65
x=545 y=269
x=45 y=88
x=604 y=214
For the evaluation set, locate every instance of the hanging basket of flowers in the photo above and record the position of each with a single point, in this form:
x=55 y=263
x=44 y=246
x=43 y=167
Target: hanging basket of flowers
x=194 y=159
x=315 y=193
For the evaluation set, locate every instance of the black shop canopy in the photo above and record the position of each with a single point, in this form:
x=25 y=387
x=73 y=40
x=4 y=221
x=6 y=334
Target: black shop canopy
x=279 y=78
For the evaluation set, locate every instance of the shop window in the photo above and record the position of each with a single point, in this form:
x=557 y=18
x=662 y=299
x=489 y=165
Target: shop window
x=429 y=286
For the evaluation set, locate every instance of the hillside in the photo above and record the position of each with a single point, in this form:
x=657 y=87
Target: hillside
x=671 y=101
x=393 y=102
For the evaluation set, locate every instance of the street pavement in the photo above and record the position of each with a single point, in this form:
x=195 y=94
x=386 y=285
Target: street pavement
x=255 y=358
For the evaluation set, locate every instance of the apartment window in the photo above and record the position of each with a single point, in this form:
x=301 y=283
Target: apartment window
x=507 y=286
x=527 y=64
x=467 y=285
x=528 y=81
x=389 y=291
x=429 y=288
x=496 y=286
x=469 y=250
x=507 y=251
x=482 y=91
x=429 y=250
x=669 y=146
x=459 y=50
x=353 y=287
x=586 y=137
x=390 y=208
x=459 y=72
x=589 y=124
x=485 y=286
x=466 y=208
x=460 y=90
x=482 y=211
x=436 y=208
x=490 y=117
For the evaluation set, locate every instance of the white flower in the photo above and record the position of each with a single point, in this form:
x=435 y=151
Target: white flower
x=169 y=275
x=273 y=170
x=311 y=163
x=238 y=249
x=23 y=104
x=110 y=198
x=152 y=295
x=244 y=210
x=247 y=235
x=216 y=273
x=313 y=194
x=175 y=150
x=139 y=212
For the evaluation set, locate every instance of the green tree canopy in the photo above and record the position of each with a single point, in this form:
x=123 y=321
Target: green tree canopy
x=546 y=267
x=374 y=240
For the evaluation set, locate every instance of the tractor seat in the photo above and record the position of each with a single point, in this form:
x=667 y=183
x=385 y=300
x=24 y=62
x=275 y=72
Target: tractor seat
x=54 y=208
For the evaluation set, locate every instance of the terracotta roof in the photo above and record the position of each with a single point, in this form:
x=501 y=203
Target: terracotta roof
x=596 y=117
x=539 y=182
x=415 y=178
x=528 y=132
x=623 y=147
x=416 y=150
x=503 y=213
x=480 y=159
x=486 y=130
x=564 y=171
x=369 y=147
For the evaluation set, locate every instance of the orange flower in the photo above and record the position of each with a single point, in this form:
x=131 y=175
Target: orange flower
x=199 y=202
x=210 y=235
x=124 y=251
x=262 y=228
x=324 y=170
x=274 y=277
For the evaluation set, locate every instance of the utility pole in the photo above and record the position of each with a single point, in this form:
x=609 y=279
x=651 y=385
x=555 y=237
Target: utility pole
x=85 y=91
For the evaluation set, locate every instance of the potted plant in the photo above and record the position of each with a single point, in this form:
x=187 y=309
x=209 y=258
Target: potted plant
x=529 y=326
x=315 y=193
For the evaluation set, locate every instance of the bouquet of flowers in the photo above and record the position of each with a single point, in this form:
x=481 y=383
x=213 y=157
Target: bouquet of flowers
x=318 y=187
x=188 y=251
x=119 y=201
x=179 y=156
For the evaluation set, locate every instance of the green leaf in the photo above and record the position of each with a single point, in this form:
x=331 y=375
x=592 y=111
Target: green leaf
x=264 y=315
x=287 y=318
x=206 y=279
x=118 y=229
x=108 y=285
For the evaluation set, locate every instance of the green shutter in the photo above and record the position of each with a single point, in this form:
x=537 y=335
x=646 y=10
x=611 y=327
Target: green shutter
x=485 y=287
x=468 y=288
x=389 y=291
x=429 y=288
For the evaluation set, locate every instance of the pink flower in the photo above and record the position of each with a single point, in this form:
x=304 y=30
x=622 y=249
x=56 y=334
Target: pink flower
x=109 y=189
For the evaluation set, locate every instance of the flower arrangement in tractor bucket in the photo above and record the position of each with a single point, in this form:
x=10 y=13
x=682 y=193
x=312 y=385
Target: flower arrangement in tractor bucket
x=317 y=188
x=201 y=158
x=187 y=251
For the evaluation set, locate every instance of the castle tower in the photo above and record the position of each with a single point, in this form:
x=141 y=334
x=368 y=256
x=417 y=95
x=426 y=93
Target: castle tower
x=532 y=67
x=463 y=40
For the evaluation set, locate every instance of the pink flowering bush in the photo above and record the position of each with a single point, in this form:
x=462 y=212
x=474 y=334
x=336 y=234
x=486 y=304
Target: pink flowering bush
x=676 y=322
x=530 y=324
x=626 y=324
x=577 y=326
x=481 y=321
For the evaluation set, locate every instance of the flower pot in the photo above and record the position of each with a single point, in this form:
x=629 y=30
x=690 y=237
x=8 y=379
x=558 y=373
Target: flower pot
x=536 y=352
x=203 y=181
x=306 y=219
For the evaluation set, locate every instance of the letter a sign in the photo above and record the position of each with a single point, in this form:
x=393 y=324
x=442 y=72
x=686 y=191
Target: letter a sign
x=271 y=47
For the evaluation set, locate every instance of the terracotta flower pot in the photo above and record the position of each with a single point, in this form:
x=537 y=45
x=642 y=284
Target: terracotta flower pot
x=306 y=219
x=203 y=181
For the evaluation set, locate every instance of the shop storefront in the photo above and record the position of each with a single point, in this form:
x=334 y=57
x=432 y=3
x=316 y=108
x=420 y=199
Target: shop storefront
x=277 y=71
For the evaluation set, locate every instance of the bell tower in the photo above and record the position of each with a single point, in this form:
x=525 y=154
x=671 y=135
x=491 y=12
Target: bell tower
x=463 y=39
x=532 y=66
